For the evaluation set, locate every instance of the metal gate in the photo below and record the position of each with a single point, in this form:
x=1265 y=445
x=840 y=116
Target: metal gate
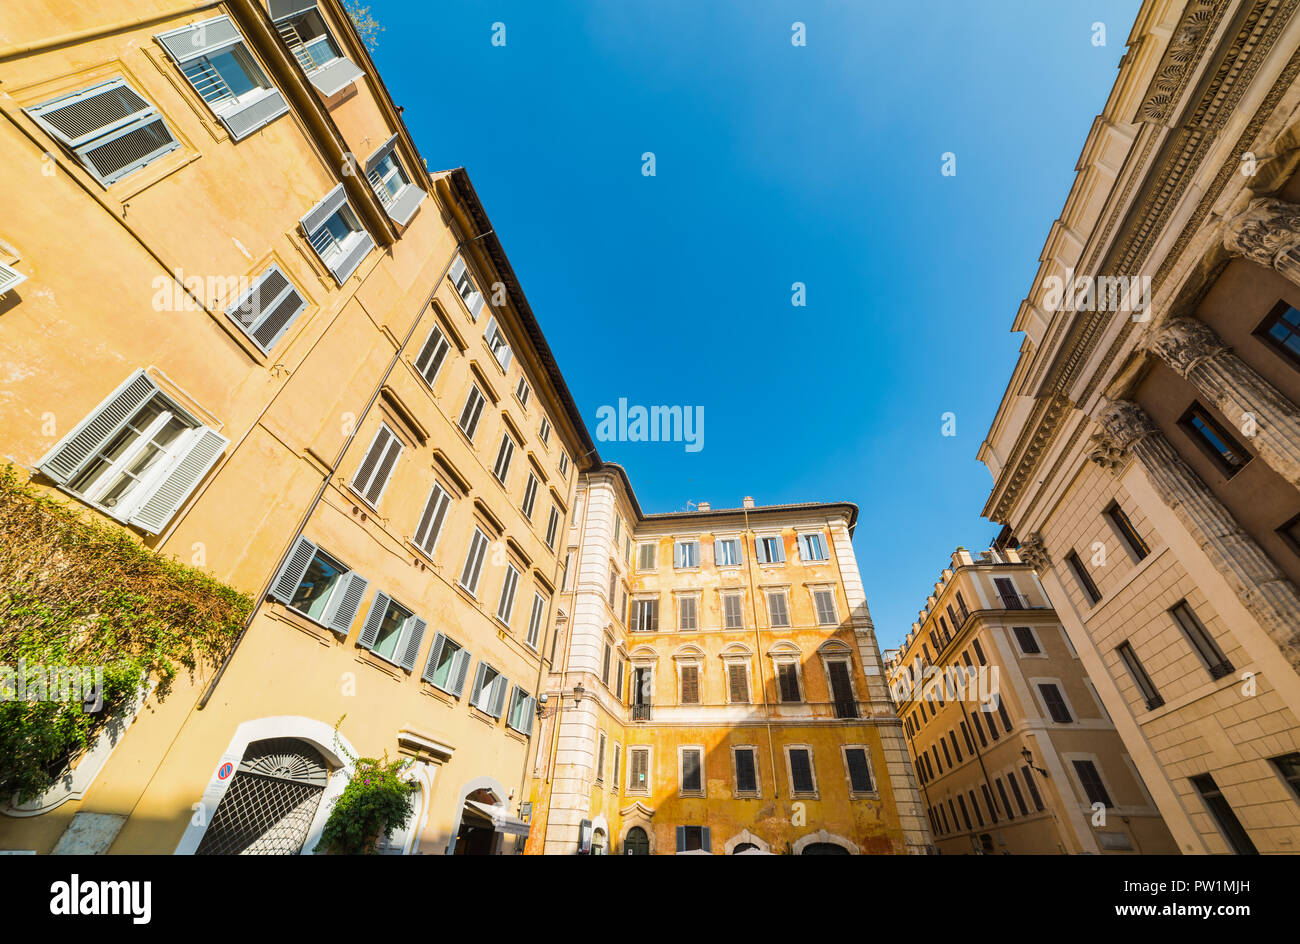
x=269 y=806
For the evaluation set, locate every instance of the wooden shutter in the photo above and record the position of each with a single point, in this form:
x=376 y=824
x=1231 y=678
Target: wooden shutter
x=681 y=838
x=498 y=695
x=429 y=528
x=431 y=665
x=377 y=466
x=637 y=607
x=640 y=771
x=738 y=676
x=801 y=770
x=460 y=668
x=706 y=839
x=789 y=681
x=618 y=686
x=690 y=685
x=65 y=460
x=477 y=690
x=370 y=631
x=530 y=715
x=859 y=770
x=415 y=635
x=294 y=568
x=841 y=687
x=180 y=482
x=354 y=588
x=746 y=772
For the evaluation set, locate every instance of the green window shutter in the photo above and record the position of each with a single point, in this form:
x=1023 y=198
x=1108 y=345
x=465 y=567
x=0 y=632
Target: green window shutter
x=354 y=588
x=435 y=653
x=499 y=687
x=370 y=631
x=477 y=690
x=460 y=669
x=411 y=649
x=180 y=482
x=681 y=838
x=295 y=566
x=706 y=842
x=65 y=460
x=530 y=714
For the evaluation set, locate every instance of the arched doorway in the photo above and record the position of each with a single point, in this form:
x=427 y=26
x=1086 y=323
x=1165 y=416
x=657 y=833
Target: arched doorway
x=745 y=847
x=636 y=842
x=824 y=848
x=271 y=802
x=477 y=835
x=598 y=842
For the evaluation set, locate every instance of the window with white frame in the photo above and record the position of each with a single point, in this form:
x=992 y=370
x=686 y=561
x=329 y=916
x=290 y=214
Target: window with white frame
x=857 y=769
x=469 y=576
x=788 y=685
x=392 y=184
x=568 y=569
x=336 y=234
x=376 y=467
x=429 y=527
x=687 y=613
x=686 y=554
x=638 y=770
x=506 y=452
x=645 y=615
x=824 y=602
x=535 y=620
x=392 y=632
x=432 y=355
x=530 y=497
x=544 y=432
x=308 y=38
x=496 y=341
x=769 y=549
x=1027 y=640
x=109 y=128
x=447 y=665
x=137 y=457
x=726 y=552
x=778 y=608
x=645 y=556
x=812 y=547
x=803 y=773
x=215 y=60
x=466 y=288
x=318 y=586
x=523 y=392
x=733 y=612
x=744 y=763
x=489 y=692
x=268 y=309
x=600 y=757
x=737 y=681
x=692 y=771
x=473 y=409
x=688 y=679
x=618 y=761
x=552 y=527
x=564 y=464
x=506 y=605
x=523 y=708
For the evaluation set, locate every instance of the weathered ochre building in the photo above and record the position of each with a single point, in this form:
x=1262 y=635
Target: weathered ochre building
x=1148 y=456
x=1014 y=752
x=243 y=321
x=715 y=687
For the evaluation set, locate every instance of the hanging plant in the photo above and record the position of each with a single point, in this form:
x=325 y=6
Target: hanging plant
x=375 y=802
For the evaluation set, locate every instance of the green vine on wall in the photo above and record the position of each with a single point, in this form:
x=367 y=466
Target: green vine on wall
x=375 y=802
x=87 y=594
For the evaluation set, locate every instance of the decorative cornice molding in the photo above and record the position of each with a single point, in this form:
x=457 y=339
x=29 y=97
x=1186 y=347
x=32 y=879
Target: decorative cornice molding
x=1185 y=48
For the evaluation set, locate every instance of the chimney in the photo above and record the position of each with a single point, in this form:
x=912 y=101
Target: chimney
x=747 y=502
x=703 y=506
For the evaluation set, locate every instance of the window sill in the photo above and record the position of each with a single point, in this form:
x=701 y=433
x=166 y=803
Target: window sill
x=373 y=659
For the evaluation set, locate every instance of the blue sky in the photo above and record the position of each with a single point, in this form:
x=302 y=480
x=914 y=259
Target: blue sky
x=775 y=164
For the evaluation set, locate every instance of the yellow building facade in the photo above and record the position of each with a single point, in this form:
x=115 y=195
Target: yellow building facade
x=1013 y=748
x=244 y=322
x=715 y=687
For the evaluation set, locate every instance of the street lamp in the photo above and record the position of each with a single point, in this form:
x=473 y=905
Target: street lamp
x=1029 y=761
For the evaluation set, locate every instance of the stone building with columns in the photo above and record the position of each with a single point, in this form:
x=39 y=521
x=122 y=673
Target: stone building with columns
x=1149 y=460
x=714 y=686
x=1012 y=747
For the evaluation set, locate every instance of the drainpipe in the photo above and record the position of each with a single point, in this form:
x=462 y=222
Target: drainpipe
x=329 y=476
x=758 y=651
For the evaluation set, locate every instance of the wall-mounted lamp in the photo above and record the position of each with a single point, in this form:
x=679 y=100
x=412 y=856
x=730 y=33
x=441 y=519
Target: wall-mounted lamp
x=1029 y=761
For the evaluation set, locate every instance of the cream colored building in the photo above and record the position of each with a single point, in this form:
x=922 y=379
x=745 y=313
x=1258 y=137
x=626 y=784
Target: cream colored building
x=1148 y=456
x=1013 y=749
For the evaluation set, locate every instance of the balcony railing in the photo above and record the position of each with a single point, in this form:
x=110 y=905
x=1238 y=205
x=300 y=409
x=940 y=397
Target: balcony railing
x=640 y=712
x=1016 y=601
x=846 y=708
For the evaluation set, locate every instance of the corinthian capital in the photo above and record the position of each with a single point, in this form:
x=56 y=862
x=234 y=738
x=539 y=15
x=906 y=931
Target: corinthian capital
x=1267 y=229
x=1182 y=343
x=1123 y=423
x=1034 y=553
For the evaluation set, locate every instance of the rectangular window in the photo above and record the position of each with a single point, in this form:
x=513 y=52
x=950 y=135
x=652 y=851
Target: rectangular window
x=979 y=651
x=496 y=342
x=600 y=757
x=465 y=287
x=769 y=550
x=1214 y=440
x=692 y=770
x=726 y=552
x=392 y=632
x=137 y=457
x=686 y=614
x=947 y=757
x=842 y=689
x=110 y=129
x=506 y=452
x=1002 y=793
x=1238 y=839
x=690 y=685
x=686 y=554
x=544 y=432
x=613 y=585
x=1008 y=594
x=489 y=693
x=812 y=547
x=377 y=466
x=469 y=416
x=1027 y=641
x=564 y=464
x=988 y=802
x=733 y=611
x=432 y=356
x=568 y=570
x=859 y=770
x=618 y=680
x=778 y=612
x=1055 y=702
x=447 y=666
x=975 y=808
x=1090 y=778
x=638 y=774
x=802 y=779
x=1281 y=330
x=645 y=615
x=738 y=683
x=268 y=309
x=1002 y=713
x=1146 y=688
x=1288 y=765
x=618 y=762
x=535 y=620
x=319 y=587
x=336 y=234
x=1015 y=789
x=1215 y=661
x=645 y=559
x=1033 y=788
x=1128 y=535
x=965 y=813
x=304 y=32
x=530 y=497
x=606 y=661
x=552 y=527
x=506 y=606
x=956 y=748
x=429 y=527
x=523 y=708
x=787 y=674
x=825 y=603
x=1082 y=577
x=523 y=392
x=392 y=184
x=746 y=760
x=474 y=561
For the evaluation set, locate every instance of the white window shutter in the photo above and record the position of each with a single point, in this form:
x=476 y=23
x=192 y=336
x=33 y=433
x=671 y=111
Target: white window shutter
x=370 y=631
x=66 y=459
x=500 y=685
x=180 y=482
x=530 y=713
x=460 y=670
x=411 y=647
x=283 y=9
x=457 y=270
x=354 y=588
x=295 y=567
x=328 y=205
x=435 y=653
x=477 y=690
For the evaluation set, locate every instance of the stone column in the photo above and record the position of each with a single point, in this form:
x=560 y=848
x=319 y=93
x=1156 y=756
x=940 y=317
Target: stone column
x=1267 y=233
x=1268 y=419
x=1264 y=590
